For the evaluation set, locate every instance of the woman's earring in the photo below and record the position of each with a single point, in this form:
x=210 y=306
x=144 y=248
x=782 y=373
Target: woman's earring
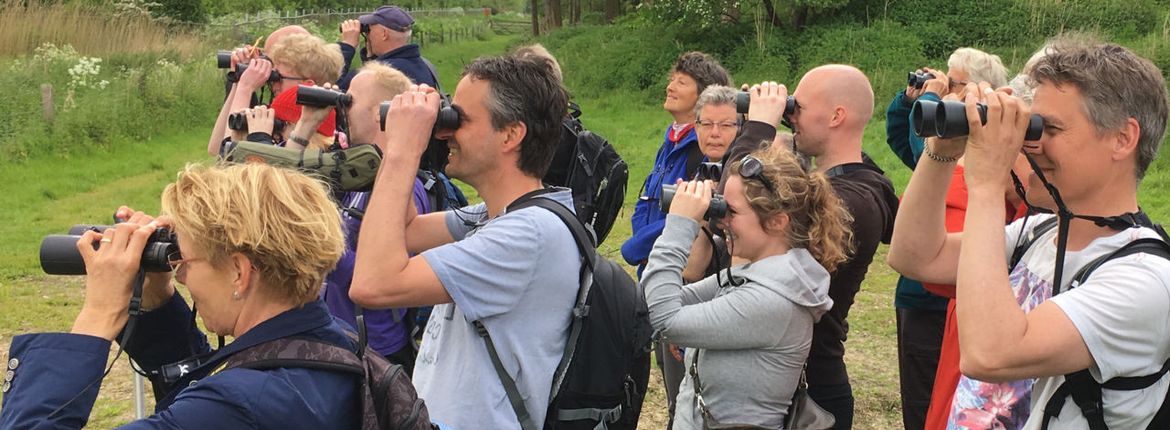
x=236 y=295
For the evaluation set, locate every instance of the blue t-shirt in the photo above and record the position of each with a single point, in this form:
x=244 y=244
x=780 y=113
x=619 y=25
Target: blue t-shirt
x=518 y=274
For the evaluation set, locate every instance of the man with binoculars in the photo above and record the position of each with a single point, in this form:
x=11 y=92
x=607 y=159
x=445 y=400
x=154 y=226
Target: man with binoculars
x=831 y=106
x=513 y=271
x=387 y=32
x=1098 y=346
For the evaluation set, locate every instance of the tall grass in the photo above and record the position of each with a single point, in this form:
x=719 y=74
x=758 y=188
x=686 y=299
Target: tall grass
x=91 y=30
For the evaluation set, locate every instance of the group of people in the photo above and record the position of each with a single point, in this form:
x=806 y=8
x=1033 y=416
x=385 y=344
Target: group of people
x=748 y=302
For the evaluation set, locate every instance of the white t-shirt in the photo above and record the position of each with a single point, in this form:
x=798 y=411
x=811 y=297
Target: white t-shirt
x=1122 y=312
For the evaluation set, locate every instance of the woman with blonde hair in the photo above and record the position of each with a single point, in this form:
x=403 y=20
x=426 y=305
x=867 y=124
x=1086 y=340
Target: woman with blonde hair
x=255 y=243
x=747 y=330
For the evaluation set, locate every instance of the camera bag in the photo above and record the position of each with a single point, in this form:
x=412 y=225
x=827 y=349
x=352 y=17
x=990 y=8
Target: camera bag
x=350 y=169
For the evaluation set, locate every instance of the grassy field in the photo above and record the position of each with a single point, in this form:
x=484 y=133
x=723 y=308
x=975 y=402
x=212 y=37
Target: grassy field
x=47 y=194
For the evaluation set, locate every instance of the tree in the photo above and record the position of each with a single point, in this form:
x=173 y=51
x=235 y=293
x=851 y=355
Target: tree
x=552 y=14
x=612 y=8
x=535 y=18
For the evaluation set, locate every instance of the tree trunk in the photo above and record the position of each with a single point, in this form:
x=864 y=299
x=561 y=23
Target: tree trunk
x=611 y=10
x=771 y=14
x=799 y=17
x=574 y=12
x=552 y=14
x=731 y=12
x=535 y=18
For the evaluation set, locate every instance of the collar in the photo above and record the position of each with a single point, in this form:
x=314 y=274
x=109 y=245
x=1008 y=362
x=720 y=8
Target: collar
x=676 y=133
x=405 y=51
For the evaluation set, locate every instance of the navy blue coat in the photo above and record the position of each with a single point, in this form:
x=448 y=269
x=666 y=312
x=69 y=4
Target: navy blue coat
x=48 y=369
x=405 y=59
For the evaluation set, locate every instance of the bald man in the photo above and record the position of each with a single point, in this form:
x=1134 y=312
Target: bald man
x=833 y=104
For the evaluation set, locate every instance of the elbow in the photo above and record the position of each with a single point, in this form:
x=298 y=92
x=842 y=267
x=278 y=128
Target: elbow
x=899 y=262
x=984 y=367
x=363 y=293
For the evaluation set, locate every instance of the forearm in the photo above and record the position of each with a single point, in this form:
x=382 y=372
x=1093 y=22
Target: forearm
x=990 y=320
x=382 y=251
x=699 y=259
x=220 y=131
x=663 y=278
x=920 y=226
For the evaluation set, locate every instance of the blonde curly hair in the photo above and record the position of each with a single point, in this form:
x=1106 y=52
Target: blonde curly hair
x=818 y=221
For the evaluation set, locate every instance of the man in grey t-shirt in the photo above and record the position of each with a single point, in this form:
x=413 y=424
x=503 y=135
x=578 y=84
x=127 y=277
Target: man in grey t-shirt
x=516 y=273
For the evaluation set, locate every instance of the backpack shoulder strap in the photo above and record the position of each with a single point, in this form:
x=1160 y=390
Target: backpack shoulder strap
x=1032 y=235
x=694 y=157
x=299 y=353
x=1080 y=385
x=580 y=309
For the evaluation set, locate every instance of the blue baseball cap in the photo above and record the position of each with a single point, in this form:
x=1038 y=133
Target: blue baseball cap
x=392 y=17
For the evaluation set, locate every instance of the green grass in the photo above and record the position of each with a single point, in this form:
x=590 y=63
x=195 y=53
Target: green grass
x=47 y=194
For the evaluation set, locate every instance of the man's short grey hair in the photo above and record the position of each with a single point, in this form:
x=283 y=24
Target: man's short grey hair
x=402 y=36
x=1115 y=84
x=716 y=95
x=980 y=66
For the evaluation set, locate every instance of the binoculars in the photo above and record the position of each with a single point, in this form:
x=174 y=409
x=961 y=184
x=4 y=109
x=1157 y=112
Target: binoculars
x=709 y=170
x=239 y=122
x=948 y=120
x=59 y=254
x=273 y=76
x=223 y=59
x=918 y=80
x=743 y=101
x=322 y=98
x=717 y=209
x=365 y=28
x=448 y=118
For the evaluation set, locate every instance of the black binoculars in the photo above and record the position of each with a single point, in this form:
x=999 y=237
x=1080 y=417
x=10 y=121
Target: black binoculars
x=448 y=118
x=239 y=122
x=223 y=60
x=948 y=120
x=743 y=100
x=273 y=76
x=717 y=209
x=918 y=79
x=709 y=170
x=59 y=254
x=365 y=28
x=322 y=98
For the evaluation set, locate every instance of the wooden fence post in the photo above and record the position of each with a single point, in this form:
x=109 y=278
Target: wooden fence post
x=47 y=102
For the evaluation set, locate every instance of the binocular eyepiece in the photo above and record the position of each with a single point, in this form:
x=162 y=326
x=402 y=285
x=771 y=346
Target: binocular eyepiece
x=59 y=254
x=709 y=170
x=717 y=209
x=743 y=100
x=273 y=76
x=948 y=120
x=239 y=122
x=448 y=118
x=918 y=80
x=322 y=98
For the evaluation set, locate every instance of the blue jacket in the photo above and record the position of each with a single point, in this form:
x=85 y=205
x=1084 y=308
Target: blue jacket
x=48 y=369
x=908 y=147
x=648 y=220
x=405 y=59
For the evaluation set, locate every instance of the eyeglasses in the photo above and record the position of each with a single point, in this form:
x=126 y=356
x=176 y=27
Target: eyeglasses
x=752 y=168
x=726 y=125
x=179 y=265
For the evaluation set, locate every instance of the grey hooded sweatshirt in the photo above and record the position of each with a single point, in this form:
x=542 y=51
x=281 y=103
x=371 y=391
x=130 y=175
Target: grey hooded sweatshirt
x=751 y=340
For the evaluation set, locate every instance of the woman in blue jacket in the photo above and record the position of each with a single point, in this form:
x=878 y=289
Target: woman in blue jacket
x=256 y=242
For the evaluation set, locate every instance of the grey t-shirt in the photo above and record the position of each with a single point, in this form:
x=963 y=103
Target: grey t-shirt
x=518 y=274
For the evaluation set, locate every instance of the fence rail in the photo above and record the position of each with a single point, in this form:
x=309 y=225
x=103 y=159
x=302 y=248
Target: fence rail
x=421 y=36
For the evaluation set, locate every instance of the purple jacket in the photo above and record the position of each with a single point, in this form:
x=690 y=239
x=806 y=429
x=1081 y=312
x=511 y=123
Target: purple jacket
x=387 y=333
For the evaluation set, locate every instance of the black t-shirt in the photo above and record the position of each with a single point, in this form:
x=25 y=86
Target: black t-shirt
x=869 y=196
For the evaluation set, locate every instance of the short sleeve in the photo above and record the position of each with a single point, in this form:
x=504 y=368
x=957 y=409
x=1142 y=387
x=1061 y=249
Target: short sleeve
x=488 y=272
x=1016 y=232
x=1118 y=310
x=462 y=221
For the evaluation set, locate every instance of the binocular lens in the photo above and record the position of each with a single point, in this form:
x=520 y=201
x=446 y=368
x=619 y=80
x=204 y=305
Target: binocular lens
x=948 y=120
x=717 y=209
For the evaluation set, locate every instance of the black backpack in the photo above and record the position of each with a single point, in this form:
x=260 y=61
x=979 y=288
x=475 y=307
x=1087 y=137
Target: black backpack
x=389 y=401
x=586 y=163
x=1080 y=385
x=601 y=380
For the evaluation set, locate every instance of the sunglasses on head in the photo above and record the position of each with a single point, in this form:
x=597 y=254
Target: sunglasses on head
x=752 y=168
